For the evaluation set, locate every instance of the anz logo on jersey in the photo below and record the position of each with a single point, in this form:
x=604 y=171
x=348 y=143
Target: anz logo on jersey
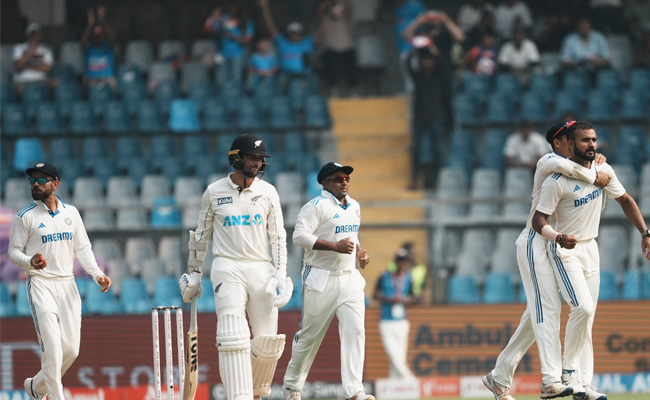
x=585 y=200
x=245 y=220
x=57 y=237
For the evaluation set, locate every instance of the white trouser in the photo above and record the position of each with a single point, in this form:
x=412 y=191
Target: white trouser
x=579 y=271
x=541 y=320
x=342 y=296
x=56 y=309
x=395 y=336
x=239 y=286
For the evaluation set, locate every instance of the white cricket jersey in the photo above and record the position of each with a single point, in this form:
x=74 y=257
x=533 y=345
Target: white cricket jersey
x=244 y=223
x=325 y=217
x=56 y=235
x=575 y=206
x=555 y=163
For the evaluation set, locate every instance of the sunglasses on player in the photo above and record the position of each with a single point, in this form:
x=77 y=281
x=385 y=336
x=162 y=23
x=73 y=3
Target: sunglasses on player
x=563 y=127
x=339 y=179
x=41 y=180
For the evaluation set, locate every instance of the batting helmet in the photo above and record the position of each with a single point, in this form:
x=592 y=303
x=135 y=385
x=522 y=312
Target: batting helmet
x=251 y=145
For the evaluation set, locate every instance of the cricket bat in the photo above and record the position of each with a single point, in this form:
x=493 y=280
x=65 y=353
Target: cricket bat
x=191 y=357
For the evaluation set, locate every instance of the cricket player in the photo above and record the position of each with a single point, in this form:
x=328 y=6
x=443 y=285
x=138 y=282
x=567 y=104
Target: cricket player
x=44 y=237
x=568 y=215
x=328 y=230
x=243 y=213
x=541 y=320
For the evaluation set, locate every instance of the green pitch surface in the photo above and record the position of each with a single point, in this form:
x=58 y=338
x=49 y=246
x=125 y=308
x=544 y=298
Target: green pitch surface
x=626 y=396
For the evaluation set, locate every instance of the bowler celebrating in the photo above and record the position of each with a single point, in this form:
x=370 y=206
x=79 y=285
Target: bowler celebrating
x=328 y=230
x=44 y=237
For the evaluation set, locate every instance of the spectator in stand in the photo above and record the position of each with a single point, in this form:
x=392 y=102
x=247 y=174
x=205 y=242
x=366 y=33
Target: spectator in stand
x=519 y=56
x=32 y=61
x=294 y=49
x=418 y=271
x=470 y=15
x=607 y=15
x=474 y=36
x=637 y=19
x=524 y=147
x=642 y=53
x=406 y=12
x=236 y=33
x=481 y=59
x=262 y=65
x=338 y=58
x=213 y=26
x=428 y=114
x=510 y=15
x=585 y=48
x=97 y=41
x=394 y=291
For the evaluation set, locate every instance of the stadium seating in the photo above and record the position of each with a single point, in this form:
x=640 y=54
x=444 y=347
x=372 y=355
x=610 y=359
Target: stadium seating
x=27 y=152
x=133 y=296
x=463 y=290
x=508 y=85
x=107 y=249
x=248 y=117
x=184 y=116
x=171 y=48
x=154 y=186
x=451 y=186
x=282 y=116
x=149 y=118
x=13 y=120
x=500 y=108
x=166 y=92
x=139 y=53
x=65 y=95
x=477 y=86
x=169 y=252
x=533 y=107
x=121 y=192
x=166 y=291
x=486 y=189
x=600 y=106
x=131 y=220
x=205 y=303
x=504 y=256
x=82 y=119
x=498 y=288
x=632 y=286
x=316 y=113
x=518 y=187
x=608 y=286
x=88 y=193
x=71 y=53
x=17 y=193
x=492 y=155
x=116 y=118
x=98 y=220
x=187 y=190
x=193 y=72
x=164 y=214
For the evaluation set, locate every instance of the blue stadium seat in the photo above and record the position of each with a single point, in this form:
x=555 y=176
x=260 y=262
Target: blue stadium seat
x=645 y=284
x=508 y=85
x=195 y=148
x=608 y=286
x=116 y=118
x=126 y=148
x=137 y=169
x=640 y=81
x=224 y=141
x=71 y=169
x=22 y=303
x=477 y=86
x=576 y=82
x=463 y=290
x=34 y=94
x=634 y=105
x=248 y=117
x=200 y=92
x=203 y=167
x=167 y=293
x=533 y=107
x=215 y=115
x=631 y=145
x=500 y=108
x=98 y=96
x=566 y=101
x=164 y=214
x=133 y=95
x=7 y=306
x=48 y=120
x=149 y=118
x=316 y=112
x=544 y=85
x=103 y=169
x=205 y=303
x=160 y=149
x=61 y=149
x=63 y=72
x=600 y=107
x=521 y=297
x=184 y=116
x=462 y=151
x=165 y=93
x=314 y=188
x=498 y=288
x=293 y=149
x=297 y=91
x=173 y=168
x=493 y=143
x=133 y=296
x=609 y=81
x=82 y=119
x=232 y=92
x=13 y=120
x=465 y=109
x=83 y=285
x=27 y=152
x=94 y=149
x=100 y=303
x=193 y=72
x=128 y=75
x=65 y=95
x=632 y=286
x=7 y=95
x=282 y=116
x=265 y=92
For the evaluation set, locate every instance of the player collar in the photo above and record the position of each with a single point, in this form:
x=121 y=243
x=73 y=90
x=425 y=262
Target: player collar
x=329 y=194
x=58 y=208
x=236 y=187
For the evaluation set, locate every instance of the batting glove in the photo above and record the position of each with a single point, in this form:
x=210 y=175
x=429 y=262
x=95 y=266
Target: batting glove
x=280 y=287
x=190 y=285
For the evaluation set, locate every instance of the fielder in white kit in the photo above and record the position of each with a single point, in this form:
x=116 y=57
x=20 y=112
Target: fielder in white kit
x=327 y=228
x=243 y=214
x=44 y=237
x=541 y=320
x=568 y=214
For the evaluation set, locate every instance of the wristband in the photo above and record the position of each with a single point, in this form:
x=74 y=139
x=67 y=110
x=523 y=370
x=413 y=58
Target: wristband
x=549 y=233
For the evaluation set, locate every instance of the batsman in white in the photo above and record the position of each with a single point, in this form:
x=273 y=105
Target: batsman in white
x=568 y=214
x=541 y=320
x=243 y=213
x=327 y=228
x=44 y=237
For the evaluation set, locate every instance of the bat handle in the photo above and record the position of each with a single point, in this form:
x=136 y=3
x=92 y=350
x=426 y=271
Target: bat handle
x=193 y=315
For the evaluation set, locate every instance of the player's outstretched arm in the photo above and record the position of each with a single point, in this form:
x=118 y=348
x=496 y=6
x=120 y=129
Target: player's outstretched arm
x=633 y=213
x=570 y=169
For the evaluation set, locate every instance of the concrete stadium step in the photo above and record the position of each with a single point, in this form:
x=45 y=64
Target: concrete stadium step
x=377 y=107
x=396 y=143
x=370 y=126
x=371 y=215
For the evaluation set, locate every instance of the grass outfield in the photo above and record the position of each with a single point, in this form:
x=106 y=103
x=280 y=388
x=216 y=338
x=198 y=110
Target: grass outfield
x=620 y=396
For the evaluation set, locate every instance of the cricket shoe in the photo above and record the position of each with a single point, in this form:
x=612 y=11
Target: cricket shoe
x=570 y=379
x=590 y=394
x=291 y=394
x=555 y=389
x=362 y=396
x=500 y=392
x=29 y=389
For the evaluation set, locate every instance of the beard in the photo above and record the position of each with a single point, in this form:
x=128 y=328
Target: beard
x=583 y=155
x=41 y=195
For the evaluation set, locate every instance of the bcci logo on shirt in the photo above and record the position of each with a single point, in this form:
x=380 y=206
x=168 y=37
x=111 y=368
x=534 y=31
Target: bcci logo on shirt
x=244 y=220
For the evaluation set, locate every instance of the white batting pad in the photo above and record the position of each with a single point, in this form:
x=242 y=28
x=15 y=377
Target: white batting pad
x=234 y=345
x=265 y=353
